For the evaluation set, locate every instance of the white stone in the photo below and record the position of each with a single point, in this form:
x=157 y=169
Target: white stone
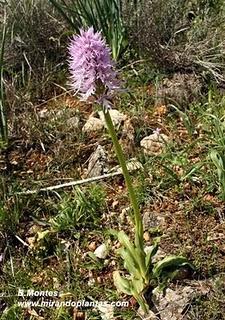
x=43 y=113
x=154 y=144
x=101 y=251
x=107 y=311
x=93 y=125
x=132 y=165
x=117 y=117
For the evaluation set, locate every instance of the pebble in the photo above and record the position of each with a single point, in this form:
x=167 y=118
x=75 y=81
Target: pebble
x=146 y=236
x=154 y=144
x=117 y=117
x=92 y=246
x=101 y=252
x=93 y=125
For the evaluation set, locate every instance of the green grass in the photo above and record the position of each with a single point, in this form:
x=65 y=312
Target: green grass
x=83 y=209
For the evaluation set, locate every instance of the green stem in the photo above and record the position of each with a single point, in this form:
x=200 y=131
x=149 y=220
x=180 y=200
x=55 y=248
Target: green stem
x=142 y=302
x=133 y=199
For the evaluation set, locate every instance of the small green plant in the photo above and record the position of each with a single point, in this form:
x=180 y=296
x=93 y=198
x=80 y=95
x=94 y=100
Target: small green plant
x=80 y=210
x=104 y=15
x=218 y=160
x=143 y=273
x=186 y=120
x=13 y=313
x=217 y=151
x=10 y=212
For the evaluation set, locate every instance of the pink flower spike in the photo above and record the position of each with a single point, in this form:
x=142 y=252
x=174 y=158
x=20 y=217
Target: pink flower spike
x=90 y=64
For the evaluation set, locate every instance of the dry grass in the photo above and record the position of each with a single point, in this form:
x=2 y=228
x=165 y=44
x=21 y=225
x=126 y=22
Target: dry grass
x=180 y=36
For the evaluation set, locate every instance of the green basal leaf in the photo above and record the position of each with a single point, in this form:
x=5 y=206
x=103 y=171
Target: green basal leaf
x=140 y=254
x=150 y=255
x=112 y=232
x=129 y=263
x=138 y=285
x=128 y=245
x=170 y=263
x=216 y=158
x=125 y=241
x=218 y=162
x=122 y=284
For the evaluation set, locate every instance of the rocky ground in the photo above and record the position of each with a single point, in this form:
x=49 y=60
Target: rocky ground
x=59 y=238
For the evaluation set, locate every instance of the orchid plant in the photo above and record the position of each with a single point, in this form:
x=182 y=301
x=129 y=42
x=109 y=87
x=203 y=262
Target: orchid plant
x=93 y=74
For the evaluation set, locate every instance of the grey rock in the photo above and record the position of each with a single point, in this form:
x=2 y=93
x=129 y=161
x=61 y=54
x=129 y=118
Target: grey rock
x=154 y=144
x=97 y=162
x=132 y=165
x=101 y=252
x=117 y=117
x=171 y=305
x=152 y=219
x=93 y=125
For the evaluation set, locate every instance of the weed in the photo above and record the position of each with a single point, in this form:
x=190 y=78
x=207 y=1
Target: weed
x=102 y=15
x=217 y=148
x=83 y=209
x=179 y=35
x=10 y=213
